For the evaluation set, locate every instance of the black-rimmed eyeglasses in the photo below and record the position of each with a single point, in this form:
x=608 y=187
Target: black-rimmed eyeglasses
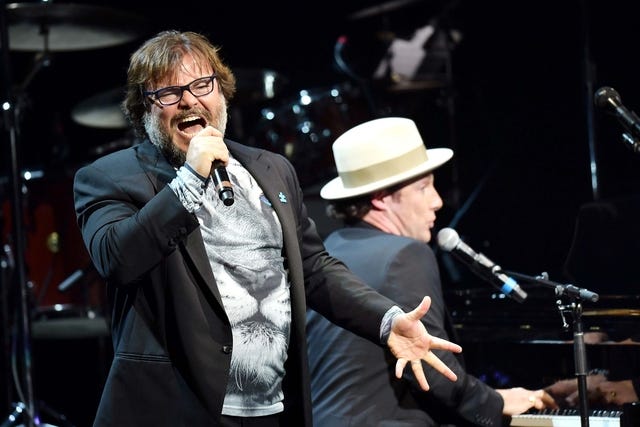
x=173 y=94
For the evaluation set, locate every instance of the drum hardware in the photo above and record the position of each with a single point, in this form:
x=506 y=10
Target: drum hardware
x=42 y=27
x=67 y=321
x=25 y=175
x=380 y=9
x=19 y=410
x=406 y=69
x=305 y=125
x=53 y=242
x=425 y=63
x=257 y=85
x=254 y=86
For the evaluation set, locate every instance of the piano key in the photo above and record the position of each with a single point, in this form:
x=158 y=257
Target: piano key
x=566 y=418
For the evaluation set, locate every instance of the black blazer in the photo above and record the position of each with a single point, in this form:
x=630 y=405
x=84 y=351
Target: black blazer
x=171 y=336
x=358 y=388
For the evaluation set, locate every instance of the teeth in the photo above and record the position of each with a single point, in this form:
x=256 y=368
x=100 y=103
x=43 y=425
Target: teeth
x=190 y=119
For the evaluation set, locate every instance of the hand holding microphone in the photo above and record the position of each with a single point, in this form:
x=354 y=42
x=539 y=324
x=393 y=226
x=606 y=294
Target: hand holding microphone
x=208 y=144
x=221 y=182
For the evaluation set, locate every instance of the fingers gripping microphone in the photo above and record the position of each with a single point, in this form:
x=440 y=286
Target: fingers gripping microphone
x=221 y=182
x=609 y=100
x=449 y=241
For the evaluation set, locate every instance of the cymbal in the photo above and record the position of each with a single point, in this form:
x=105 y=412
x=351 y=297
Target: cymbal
x=102 y=110
x=47 y=26
x=381 y=8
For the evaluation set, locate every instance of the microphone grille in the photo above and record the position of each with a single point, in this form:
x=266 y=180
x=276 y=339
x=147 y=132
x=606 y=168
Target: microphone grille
x=448 y=239
x=606 y=97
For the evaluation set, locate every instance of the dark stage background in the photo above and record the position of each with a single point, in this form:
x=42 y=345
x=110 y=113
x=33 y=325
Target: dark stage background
x=508 y=85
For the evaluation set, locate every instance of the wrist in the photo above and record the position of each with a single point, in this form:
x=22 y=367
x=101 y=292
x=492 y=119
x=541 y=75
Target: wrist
x=387 y=323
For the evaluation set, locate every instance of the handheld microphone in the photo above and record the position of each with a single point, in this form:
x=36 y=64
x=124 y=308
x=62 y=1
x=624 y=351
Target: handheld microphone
x=449 y=241
x=221 y=182
x=608 y=99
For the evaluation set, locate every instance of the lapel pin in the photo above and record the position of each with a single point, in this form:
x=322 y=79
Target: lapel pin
x=282 y=197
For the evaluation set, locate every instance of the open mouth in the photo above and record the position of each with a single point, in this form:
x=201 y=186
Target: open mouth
x=192 y=124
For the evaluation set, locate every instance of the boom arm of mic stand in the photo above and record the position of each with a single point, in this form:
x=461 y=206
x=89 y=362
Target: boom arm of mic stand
x=631 y=142
x=572 y=291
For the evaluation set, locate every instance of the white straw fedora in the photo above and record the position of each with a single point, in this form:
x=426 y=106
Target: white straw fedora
x=378 y=154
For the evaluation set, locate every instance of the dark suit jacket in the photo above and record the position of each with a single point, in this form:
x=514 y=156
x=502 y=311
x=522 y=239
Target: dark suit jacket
x=358 y=387
x=171 y=336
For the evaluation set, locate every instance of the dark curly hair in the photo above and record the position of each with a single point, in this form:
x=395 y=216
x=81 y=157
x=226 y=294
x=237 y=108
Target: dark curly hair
x=353 y=209
x=159 y=58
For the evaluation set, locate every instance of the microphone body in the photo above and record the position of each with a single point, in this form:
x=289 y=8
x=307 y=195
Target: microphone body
x=221 y=182
x=608 y=99
x=482 y=266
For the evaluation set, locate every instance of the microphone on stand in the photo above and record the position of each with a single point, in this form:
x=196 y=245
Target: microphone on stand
x=449 y=241
x=221 y=182
x=609 y=100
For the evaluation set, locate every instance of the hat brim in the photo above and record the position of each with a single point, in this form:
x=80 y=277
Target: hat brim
x=335 y=188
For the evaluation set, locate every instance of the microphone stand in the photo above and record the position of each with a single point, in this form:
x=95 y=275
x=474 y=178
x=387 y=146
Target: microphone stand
x=576 y=296
x=27 y=409
x=23 y=321
x=631 y=142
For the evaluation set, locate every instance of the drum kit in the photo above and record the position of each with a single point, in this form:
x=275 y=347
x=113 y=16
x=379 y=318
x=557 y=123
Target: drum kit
x=35 y=237
x=51 y=293
x=303 y=126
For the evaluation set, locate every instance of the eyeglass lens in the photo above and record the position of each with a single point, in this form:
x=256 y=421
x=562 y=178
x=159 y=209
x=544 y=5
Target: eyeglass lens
x=173 y=94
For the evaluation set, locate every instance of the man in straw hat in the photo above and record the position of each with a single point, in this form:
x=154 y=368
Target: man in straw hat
x=385 y=195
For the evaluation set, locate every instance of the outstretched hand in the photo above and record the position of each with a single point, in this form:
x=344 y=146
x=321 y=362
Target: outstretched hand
x=409 y=341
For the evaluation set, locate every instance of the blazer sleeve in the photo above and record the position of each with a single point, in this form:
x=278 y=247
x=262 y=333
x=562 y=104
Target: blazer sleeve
x=412 y=274
x=330 y=288
x=127 y=226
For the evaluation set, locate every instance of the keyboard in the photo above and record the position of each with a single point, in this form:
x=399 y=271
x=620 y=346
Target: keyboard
x=566 y=418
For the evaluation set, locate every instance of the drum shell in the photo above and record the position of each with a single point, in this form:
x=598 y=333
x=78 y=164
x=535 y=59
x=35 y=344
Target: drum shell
x=53 y=246
x=303 y=127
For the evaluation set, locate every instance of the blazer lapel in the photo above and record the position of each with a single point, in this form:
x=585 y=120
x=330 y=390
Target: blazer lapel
x=284 y=199
x=275 y=189
x=194 y=246
x=161 y=173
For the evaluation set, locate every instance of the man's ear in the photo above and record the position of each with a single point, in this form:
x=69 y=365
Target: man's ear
x=378 y=200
